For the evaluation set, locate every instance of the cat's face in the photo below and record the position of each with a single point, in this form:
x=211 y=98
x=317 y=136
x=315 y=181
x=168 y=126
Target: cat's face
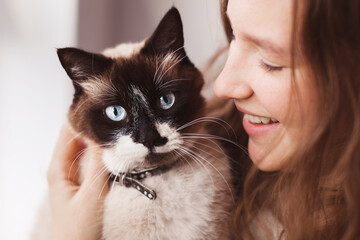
x=136 y=102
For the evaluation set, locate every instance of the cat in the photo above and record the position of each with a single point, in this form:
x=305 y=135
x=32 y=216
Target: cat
x=141 y=103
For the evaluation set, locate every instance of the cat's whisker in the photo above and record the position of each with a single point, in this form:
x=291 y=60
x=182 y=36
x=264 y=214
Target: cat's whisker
x=162 y=64
x=118 y=172
x=216 y=120
x=178 y=61
x=207 y=136
x=81 y=104
x=195 y=156
x=82 y=152
x=209 y=139
x=173 y=85
x=99 y=98
x=221 y=152
x=102 y=189
x=170 y=83
x=97 y=175
x=95 y=82
x=220 y=174
x=73 y=138
x=77 y=156
x=157 y=70
x=114 y=180
x=244 y=149
x=215 y=143
x=103 y=97
x=192 y=144
x=121 y=168
x=182 y=157
x=185 y=153
x=156 y=67
x=102 y=170
x=222 y=161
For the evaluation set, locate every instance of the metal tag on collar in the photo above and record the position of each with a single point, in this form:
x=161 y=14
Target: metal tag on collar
x=128 y=181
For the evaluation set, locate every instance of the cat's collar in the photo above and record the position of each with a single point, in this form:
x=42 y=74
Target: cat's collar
x=134 y=178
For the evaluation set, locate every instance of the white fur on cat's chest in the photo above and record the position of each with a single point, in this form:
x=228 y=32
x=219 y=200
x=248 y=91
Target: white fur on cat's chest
x=181 y=210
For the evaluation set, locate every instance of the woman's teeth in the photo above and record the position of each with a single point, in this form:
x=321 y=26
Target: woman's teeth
x=260 y=120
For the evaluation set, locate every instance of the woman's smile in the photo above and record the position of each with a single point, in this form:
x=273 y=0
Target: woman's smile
x=257 y=126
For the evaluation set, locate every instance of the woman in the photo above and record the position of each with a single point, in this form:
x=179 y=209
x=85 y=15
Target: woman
x=294 y=66
x=292 y=70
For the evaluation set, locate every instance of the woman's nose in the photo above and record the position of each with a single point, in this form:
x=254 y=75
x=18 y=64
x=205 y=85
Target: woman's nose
x=230 y=84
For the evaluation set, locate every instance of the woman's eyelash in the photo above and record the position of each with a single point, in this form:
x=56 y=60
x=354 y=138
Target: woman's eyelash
x=231 y=35
x=269 y=68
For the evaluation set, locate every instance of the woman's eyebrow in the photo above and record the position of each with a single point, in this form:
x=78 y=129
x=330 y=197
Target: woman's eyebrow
x=264 y=43
x=268 y=45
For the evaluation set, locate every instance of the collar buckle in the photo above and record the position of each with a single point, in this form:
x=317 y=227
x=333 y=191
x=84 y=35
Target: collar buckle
x=133 y=179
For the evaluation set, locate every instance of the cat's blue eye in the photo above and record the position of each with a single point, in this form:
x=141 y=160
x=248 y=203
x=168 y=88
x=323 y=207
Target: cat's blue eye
x=115 y=113
x=167 y=101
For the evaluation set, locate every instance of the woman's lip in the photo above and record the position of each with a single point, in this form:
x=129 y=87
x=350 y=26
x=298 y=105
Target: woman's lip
x=247 y=112
x=258 y=130
x=244 y=111
x=254 y=129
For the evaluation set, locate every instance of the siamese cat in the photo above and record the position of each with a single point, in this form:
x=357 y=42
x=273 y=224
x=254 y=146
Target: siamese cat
x=141 y=103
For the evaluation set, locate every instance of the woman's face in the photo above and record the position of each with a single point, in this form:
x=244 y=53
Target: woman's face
x=279 y=110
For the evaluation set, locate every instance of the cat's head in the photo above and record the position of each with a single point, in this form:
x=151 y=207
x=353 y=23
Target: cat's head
x=136 y=99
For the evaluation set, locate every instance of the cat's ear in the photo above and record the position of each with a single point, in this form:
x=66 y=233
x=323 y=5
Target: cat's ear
x=168 y=36
x=81 y=65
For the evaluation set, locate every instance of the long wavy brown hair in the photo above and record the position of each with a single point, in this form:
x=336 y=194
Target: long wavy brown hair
x=319 y=197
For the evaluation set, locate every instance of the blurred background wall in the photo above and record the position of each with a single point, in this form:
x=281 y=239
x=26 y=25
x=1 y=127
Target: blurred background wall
x=35 y=91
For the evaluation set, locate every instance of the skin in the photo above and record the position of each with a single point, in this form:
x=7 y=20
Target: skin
x=76 y=210
x=258 y=77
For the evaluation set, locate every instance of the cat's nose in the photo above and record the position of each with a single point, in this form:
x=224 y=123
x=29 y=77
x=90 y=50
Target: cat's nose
x=160 y=141
x=149 y=136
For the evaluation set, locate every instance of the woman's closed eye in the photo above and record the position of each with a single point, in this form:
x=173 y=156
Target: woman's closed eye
x=269 y=67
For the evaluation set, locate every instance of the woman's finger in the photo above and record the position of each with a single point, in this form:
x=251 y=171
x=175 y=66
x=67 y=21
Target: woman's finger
x=96 y=176
x=63 y=166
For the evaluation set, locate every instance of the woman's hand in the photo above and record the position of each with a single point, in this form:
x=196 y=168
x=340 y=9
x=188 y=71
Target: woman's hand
x=76 y=210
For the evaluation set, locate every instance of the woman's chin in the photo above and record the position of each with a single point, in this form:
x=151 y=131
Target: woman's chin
x=266 y=161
